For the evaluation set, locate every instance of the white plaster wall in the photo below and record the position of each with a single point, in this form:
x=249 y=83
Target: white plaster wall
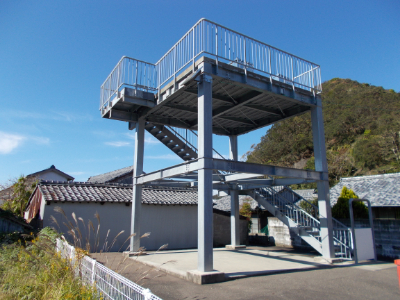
x=172 y=225
x=52 y=176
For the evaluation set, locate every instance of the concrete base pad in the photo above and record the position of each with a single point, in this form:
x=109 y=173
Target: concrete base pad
x=232 y=265
x=130 y=254
x=205 y=277
x=321 y=259
x=235 y=247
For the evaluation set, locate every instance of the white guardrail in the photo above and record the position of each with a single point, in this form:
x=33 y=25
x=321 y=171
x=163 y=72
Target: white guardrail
x=109 y=284
x=210 y=39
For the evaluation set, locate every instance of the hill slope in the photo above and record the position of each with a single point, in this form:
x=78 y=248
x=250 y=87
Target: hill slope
x=362 y=126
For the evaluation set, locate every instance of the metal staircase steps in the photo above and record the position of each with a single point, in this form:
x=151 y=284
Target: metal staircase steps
x=169 y=139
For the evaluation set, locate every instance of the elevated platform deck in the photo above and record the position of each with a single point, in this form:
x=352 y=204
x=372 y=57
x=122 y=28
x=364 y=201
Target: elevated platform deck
x=253 y=83
x=242 y=100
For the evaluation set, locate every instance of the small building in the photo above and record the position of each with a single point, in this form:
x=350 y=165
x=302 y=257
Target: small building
x=51 y=173
x=169 y=214
x=382 y=190
x=10 y=223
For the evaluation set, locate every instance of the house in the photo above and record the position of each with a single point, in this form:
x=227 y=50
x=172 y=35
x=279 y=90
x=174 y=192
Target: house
x=382 y=190
x=170 y=214
x=51 y=173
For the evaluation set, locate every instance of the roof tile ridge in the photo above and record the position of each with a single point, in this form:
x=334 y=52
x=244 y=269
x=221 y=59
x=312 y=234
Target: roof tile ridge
x=377 y=176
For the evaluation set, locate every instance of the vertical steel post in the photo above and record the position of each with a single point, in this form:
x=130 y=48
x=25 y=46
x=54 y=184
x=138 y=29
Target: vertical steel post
x=137 y=188
x=321 y=165
x=205 y=203
x=235 y=232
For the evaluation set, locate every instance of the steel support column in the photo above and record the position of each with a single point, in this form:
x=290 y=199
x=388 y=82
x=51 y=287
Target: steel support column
x=235 y=232
x=137 y=188
x=321 y=165
x=205 y=203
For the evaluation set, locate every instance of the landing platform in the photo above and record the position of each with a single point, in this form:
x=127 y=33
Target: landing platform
x=253 y=261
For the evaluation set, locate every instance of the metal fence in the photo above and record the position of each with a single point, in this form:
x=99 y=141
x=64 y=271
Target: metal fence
x=109 y=285
x=210 y=39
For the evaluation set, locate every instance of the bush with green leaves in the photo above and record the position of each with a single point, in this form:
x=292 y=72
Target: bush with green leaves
x=341 y=209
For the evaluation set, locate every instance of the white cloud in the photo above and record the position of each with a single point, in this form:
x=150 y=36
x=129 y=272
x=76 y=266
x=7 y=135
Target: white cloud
x=148 y=139
x=8 y=142
x=40 y=140
x=50 y=115
x=151 y=140
x=165 y=156
x=118 y=144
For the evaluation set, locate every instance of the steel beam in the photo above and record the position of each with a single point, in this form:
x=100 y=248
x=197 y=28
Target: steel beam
x=137 y=188
x=263 y=84
x=243 y=167
x=321 y=165
x=205 y=202
x=183 y=168
x=122 y=115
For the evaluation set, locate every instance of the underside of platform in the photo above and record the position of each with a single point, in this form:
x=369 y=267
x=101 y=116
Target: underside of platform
x=242 y=101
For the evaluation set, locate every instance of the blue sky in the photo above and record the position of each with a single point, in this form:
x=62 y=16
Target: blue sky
x=54 y=55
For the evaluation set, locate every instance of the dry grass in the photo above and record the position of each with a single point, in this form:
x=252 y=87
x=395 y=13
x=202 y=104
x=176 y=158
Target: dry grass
x=37 y=271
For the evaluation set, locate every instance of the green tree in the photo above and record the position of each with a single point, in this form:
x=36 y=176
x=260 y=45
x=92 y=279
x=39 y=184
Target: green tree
x=245 y=210
x=341 y=209
x=362 y=133
x=22 y=191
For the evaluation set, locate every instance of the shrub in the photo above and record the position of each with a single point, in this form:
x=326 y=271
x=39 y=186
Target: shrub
x=341 y=209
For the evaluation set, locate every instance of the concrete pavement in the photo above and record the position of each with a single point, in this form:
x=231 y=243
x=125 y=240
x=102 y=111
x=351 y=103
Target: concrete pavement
x=305 y=280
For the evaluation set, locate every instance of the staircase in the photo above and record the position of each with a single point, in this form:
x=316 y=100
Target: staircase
x=282 y=206
x=281 y=201
x=173 y=140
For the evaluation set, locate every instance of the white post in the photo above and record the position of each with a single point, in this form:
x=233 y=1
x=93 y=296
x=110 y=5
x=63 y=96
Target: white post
x=235 y=232
x=205 y=203
x=137 y=188
x=93 y=271
x=321 y=165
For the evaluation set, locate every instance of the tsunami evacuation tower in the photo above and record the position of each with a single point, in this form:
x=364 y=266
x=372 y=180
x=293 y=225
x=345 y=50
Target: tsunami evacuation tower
x=217 y=81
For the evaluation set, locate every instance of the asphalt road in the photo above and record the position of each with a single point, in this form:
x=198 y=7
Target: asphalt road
x=355 y=282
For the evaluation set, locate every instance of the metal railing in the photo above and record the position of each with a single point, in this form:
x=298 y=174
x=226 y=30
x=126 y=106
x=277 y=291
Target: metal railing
x=109 y=284
x=281 y=198
x=231 y=47
x=289 y=209
x=129 y=72
x=210 y=39
x=189 y=137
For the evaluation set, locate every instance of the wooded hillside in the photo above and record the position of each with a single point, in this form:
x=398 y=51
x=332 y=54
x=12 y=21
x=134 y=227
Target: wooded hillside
x=362 y=127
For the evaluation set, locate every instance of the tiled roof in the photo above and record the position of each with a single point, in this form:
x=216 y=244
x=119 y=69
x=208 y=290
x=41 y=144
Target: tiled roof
x=308 y=194
x=224 y=203
x=94 y=192
x=381 y=190
x=109 y=176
